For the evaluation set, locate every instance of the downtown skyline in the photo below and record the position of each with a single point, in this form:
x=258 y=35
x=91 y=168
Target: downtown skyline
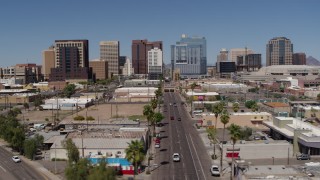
x=224 y=25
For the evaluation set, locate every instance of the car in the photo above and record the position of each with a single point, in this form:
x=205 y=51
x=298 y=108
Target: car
x=172 y=118
x=170 y=104
x=157 y=145
x=175 y=105
x=176 y=157
x=179 y=118
x=215 y=170
x=16 y=159
x=157 y=141
x=158 y=136
x=303 y=157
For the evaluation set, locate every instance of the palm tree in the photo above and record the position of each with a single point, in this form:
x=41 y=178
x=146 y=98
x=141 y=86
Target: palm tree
x=157 y=117
x=216 y=109
x=254 y=107
x=235 y=133
x=235 y=107
x=154 y=104
x=148 y=112
x=212 y=137
x=135 y=153
x=224 y=118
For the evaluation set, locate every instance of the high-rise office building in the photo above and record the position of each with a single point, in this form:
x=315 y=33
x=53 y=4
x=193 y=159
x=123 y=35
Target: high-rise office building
x=155 y=63
x=234 y=53
x=299 y=59
x=127 y=68
x=110 y=52
x=48 y=62
x=190 y=56
x=223 y=56
x=140 y=50
x=71 y=61
x=249 y=63
x=122 y=61
x=279 y=51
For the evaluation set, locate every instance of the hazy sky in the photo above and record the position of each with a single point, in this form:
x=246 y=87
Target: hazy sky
x=29 y=27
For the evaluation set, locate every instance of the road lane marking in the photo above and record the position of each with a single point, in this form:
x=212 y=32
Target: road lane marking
x=197 y=157
x=192 y=157
x=3 y=169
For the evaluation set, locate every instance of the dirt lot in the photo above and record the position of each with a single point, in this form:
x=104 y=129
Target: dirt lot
x=101 y=113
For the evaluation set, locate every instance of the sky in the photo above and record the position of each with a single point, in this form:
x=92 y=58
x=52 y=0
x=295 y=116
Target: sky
x=29 y=27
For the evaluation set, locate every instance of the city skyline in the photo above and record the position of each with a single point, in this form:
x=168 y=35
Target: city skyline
x=225 y=24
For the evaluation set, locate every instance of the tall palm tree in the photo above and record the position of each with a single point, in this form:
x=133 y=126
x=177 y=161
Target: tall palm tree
x=157 y=117
x=148 y=112
x=216 y=109
x=235 y=107
x=135 y=153
x=212 y=133
x=235 y=133
x=224 y=120
x=154 y=104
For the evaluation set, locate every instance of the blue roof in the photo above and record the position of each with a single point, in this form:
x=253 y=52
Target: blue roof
x=121 y=161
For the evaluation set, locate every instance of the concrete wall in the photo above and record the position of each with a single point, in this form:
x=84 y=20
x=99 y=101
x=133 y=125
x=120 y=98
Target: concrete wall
x=261 y=150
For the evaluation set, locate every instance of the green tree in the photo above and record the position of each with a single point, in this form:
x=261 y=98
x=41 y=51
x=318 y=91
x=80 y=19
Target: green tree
x=37 y=102
x=135 y=153
x=245 y=133
x=102 y=172
x=224 y=118
x=318 y=97
x=157 y=118
x=30 y=148
x=69 y=90
x=26 y=106
x=254 y=107
x=18 y=138
x=79 y=170
x=193 y=86
x=235 y=107
x=234 y=131
x=154 y=104
x=72 y=151
x=250 y=103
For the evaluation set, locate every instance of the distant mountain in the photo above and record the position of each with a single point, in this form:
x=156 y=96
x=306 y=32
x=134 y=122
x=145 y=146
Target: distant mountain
x=311 y=61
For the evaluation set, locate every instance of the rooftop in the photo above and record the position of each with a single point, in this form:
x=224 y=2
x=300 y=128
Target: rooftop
x=276 y=104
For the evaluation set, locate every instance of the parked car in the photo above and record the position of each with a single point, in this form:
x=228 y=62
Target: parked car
x=176 y=157
x=303 y=157
x=16 y=159
x=157 y=145
x=179 y=118
x=215 y=170
x=157 y=141
x=172 y=118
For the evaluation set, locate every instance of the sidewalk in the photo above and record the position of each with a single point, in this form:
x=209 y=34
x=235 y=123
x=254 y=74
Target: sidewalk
x=34 y=164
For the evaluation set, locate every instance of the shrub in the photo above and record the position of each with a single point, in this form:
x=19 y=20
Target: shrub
x=46 y=119
x=90 y=118
x=79 y=118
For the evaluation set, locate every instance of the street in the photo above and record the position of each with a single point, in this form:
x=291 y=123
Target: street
x=9 y=170
x=180 y=137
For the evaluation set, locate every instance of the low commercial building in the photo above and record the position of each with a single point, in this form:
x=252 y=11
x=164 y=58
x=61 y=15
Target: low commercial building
x=277 y=107
x=134 y=94
x=244 y=119
x=141 y=83
x=67 y=104
x=227 y=87
x=304 y=136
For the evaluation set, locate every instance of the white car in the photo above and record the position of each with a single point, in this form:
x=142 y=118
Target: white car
x=215 y=170
x=176 y=157
x=157 y=145
x=16 y=159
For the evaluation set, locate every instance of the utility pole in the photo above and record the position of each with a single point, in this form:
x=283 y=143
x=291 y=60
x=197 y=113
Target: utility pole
x=55 y=158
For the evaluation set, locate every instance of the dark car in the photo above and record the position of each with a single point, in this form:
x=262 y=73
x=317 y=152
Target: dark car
x=303 y=157
x=179 y=118
x=172 y=118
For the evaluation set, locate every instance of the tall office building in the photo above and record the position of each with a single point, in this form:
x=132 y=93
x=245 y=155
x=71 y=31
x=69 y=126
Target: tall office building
x=71 y=61
x=190 y=56
x=299 y=59
x=110 y=52
x=155 y=63
x=140 y=50
x=249 y=63
x=234 y=53
x=127 y=68
x=279 y=51
x=223 y=56
x=48 y=62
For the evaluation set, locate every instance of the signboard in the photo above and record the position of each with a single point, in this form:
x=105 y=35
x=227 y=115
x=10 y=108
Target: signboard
x=235 y=155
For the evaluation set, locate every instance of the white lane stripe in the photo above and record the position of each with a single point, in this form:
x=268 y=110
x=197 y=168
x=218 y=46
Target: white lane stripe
x=197 y=157
x=192 y=156
x=3 y=169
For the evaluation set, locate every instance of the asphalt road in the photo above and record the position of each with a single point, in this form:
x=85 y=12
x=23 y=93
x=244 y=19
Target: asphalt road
x=180 y=137
x=9 y=170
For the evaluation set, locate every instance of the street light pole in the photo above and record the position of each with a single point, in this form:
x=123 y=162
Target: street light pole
x=55 y=158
